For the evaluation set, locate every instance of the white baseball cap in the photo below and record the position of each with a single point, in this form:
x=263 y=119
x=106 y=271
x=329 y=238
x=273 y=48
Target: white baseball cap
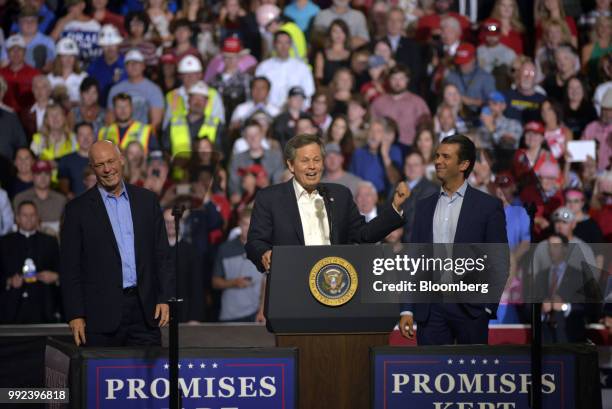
x=189 y=64
x=199 y=88
x=15 y=40
x=134 y=55
x=109 y=35
x=67 y=46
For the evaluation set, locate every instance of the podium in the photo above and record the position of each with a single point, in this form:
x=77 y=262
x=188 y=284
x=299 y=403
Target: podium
x=333 y=341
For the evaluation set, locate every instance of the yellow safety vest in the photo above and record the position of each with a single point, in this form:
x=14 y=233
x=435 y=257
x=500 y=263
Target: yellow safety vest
x=180 y=139
x=48 y=152
x=176 y=104
x=137 y=131
x=299 y=48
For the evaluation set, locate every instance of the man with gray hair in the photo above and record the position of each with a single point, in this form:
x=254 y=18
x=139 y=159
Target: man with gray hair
x=366 y=200
x=304 y=211
x=567 y=65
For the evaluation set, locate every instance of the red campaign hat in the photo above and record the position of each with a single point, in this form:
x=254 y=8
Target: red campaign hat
x=535 y=126
x=465 y=53
x=41 y=166
x=232 y=45
x=491 y=26
x=168 y=58
x=255 y=170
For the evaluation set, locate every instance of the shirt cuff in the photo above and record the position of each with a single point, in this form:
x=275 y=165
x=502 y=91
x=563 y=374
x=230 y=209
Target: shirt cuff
x=406 y=313
x=400 y=212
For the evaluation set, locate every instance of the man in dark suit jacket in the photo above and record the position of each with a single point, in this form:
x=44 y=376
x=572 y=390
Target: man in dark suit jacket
x=457 y=214
x=115 y=264
x=569 y=295
x=304 y=211
x=420 y=187
x=406 y=52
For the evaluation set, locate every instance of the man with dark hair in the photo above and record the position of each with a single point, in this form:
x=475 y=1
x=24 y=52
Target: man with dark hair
x=29 y=261
x=406 y=51
x=404 y=107
x=260 y=90
x=126 y=129
x=71 y=166
x=304 y=211
x=457 y=214
x=116 y=267
x=285 y=72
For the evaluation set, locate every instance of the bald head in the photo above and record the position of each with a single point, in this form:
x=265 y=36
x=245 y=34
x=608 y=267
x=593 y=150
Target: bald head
x=107 y=163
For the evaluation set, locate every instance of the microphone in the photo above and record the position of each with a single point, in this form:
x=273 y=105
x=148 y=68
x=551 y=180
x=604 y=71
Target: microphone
x=322 y=189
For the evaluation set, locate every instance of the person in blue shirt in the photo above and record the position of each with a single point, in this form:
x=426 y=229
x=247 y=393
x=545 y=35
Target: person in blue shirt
x=40 y=48
x=379 y=160
x=46 y=17
x=109 y=68
x=302 y=12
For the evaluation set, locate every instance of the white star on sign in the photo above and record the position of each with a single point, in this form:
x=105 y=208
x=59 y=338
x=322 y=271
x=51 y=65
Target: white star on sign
x=179 y=366
x=473 y=361
x=202 y=365
x=603 y=378
x=215 y=365
x=166 y=366
x=484 y=361
x=496 y=362
x=461 y=361
x=190 y=365
x=450 y=361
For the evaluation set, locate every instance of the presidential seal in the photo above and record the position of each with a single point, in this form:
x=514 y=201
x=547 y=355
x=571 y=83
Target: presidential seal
x=333 y=281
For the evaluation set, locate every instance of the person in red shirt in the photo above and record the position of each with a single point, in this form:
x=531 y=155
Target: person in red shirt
x=429 y=25
x=549 y=9
x=18 y=75
x=507 y=12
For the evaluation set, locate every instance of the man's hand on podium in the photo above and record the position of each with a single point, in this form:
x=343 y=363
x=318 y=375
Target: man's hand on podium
x=266 y=260
x=77 y=326
x=402 y=192
x=162 y=311
x=406 y=326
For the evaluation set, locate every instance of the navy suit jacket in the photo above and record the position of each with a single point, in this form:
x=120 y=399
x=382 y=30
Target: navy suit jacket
x=481 y=220
x=90 y=264
x=276 y=220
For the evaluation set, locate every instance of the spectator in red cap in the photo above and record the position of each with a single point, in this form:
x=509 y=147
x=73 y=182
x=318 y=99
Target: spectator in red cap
x=474 y=83
x=232 y=83
x=254 y=178
x=429 y=25
x=492 y=54
x=528 y=160
x=602 y=199
x=586 y=228
x=18 y=75
x=50 y=204
x=168 y=75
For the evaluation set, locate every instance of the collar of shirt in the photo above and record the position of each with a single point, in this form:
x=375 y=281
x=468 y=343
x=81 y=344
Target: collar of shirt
x=27 y=233
x=412 y=183
x=460 y=191
x=106 y=194
x=300 y=191
x=394 y=40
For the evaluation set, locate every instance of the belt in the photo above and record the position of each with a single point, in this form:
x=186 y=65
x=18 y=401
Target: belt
x=130 y=290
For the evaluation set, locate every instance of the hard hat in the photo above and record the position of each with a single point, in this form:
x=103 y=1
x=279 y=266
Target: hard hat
x=267 y=13
x=67 y=46
x=189 y=64
x=199 y=88
x=109 y=35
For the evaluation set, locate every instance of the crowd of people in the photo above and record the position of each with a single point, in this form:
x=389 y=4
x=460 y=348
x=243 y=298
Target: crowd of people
x=202 y=96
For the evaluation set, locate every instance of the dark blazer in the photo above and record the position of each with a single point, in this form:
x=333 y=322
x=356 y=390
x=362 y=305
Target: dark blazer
x=410 y=54
x=577 y=286
x=423 y=189
x=481 y=220
x=276 y=220
x=42 y=303
x=90 y=265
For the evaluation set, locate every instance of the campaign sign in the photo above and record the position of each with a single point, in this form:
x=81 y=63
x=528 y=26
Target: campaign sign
x=205 y=382
x=459 y=380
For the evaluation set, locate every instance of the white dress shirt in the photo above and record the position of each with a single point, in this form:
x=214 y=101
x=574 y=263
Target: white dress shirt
x=315 y=224
x=285 y=74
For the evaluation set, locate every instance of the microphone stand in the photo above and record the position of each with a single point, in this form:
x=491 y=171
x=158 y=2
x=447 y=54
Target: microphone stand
x=174 y=303
x=535 y=389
